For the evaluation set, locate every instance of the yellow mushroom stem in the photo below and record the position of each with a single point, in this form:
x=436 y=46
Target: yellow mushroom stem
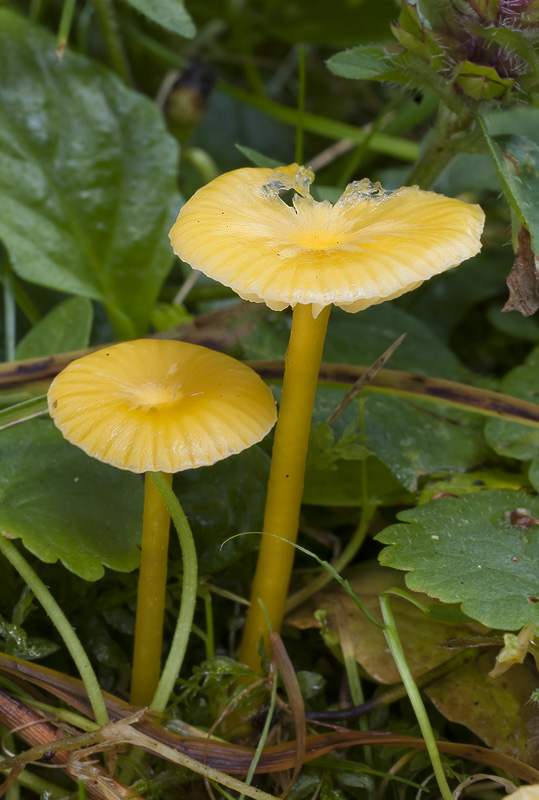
x=285 y=487
x=151 y=596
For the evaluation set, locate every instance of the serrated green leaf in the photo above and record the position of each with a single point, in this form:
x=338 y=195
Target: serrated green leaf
x=67 y=327
x=373 y=63
x=472 y=550
x=170 y=14
x=66 y=506
x=87 y=177
x=365 y=63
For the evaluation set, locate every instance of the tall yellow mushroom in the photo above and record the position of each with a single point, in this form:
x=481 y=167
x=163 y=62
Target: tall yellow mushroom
x=154 y=406
x=372 y=245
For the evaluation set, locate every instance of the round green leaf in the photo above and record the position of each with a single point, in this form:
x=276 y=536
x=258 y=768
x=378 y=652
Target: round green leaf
x=480 y=550
x=87 y=177
x=64 y=505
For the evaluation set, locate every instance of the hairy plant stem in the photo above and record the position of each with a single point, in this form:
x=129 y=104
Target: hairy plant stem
x=394 y=643
x=62 y=625
x=189 y=594
x=150 y=595
x=441 y=146
x=285 y=487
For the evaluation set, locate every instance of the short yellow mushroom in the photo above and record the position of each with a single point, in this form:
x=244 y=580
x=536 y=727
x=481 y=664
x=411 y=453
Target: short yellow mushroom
x=155 y=406
x=372 y=245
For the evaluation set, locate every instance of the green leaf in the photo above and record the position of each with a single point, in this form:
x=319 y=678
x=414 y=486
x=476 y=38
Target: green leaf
x=524 y=119
x=87 y=177
x=517 y=163
x=480 y=550
x=310 y=683
x=223 y=500
x=510 y=439
x=512 y=323
x=414 y=440
x=497 y=710
x=167 y=315
x=471 y=482
x=18 y=644
x=324 y=451
x=67 y=327
x=482 y=83
x=64 y=505
x=365 y=63
x=411 y=438
x=342 y=486
x=170 y=14
x=443 y=303
x=104 y=647
x=373 y=63
x=304 y=786
x=421 y=634
x=258 y=159
x=512 y=40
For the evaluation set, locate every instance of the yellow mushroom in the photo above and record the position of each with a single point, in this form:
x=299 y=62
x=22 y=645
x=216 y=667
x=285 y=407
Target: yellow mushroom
x=371 y=245
x=158 y=406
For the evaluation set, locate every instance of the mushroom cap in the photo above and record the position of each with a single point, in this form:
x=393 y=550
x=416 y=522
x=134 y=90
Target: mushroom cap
x=155 y=405
x=371 y=245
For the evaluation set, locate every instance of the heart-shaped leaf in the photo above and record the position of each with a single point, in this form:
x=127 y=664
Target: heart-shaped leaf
x=87 y=177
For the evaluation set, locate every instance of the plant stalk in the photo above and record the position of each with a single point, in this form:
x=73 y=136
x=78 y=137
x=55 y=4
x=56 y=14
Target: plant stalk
x=109 y=24
x=395 y=646
x=10 y=318
x=443 y=144
x=189 y=594
x=285 y=487
x=150 y=595
x=62 y=625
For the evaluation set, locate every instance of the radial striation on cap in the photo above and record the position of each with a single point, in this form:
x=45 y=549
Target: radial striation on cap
x=154 y=405
x=371 y=245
